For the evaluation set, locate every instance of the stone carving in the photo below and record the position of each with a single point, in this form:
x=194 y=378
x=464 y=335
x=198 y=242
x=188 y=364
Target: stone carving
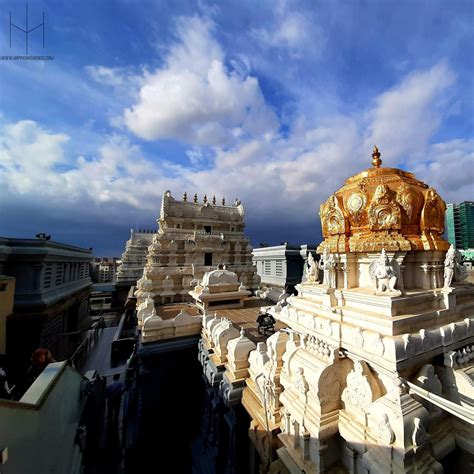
x=332 y=218
x=453 y=268
x=312 y=269
x=301 y=383
x=145 y=309
x=384 y=431
x=432 y=215
x=428 y=380
x=328 y=265
x=409 y=199
x=384 y=274
x=357 y=394
x=420 y=436
x=219 y=277
x=449 y=264
x=384 y=212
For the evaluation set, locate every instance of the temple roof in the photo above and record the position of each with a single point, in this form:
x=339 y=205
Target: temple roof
x=383 y=208
x=172 y=207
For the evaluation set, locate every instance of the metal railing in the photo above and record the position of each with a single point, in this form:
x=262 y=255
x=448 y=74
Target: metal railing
x=78 y=359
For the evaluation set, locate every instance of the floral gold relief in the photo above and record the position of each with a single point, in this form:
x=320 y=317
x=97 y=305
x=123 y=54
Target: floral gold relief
x=384 y=212
x=383 y=208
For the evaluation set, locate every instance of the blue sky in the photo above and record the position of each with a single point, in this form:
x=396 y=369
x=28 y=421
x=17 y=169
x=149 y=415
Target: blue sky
x=275 y=103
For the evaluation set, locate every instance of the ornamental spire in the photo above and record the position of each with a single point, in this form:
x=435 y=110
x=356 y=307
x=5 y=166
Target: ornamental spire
x=376 y=161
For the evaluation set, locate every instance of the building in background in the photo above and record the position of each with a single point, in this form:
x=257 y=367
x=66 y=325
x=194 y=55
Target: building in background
x=104 y=269
x=51 y=294
x=133 y=261
x=7 y=292
x=134 y=257
x=281 y=267
x=194 y=238
x=460 y=225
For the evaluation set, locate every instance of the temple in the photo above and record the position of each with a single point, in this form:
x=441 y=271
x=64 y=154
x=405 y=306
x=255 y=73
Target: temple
x=134 y=257
x=193 y=238
x=374 y=369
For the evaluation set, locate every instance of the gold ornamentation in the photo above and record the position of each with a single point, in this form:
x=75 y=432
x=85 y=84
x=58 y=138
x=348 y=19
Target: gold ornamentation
x=409 y=199
x=384 y=212
x=332 y=218
x=432 y=215
x=355 y=204
x=383 y=208
x=376 y=161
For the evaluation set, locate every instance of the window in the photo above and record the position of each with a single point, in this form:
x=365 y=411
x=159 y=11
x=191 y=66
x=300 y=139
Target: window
x=207 y=229
x=279 y=268
x=208 y=259
x=59 y=273
x=48 y=270
x=267 y=267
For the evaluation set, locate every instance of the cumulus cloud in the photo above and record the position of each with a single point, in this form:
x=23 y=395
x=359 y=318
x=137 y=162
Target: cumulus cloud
x=280 y=179
x=35 y=162
x=194 y=98
x=406 y=116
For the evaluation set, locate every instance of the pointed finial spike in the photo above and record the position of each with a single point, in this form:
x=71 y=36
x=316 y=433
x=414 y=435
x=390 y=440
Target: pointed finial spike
x=223 y=201
x=185 y=196
x=376 y=161
x=205 y=198
x=214 y=200
x=196 y=198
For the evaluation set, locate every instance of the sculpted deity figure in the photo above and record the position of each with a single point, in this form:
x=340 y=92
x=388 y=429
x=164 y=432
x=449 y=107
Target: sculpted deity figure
x=453 y=267
x=328 y=265
x=312 y=269
x=384 y=274
x=449 y=264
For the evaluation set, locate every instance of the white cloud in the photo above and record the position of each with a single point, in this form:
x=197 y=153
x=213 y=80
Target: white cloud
x=405 y=117
x=279 y=179
x=449 y=168
x=193 y=98
x=296 y=33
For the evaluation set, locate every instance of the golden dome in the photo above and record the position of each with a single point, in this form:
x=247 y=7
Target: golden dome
x=383 y=208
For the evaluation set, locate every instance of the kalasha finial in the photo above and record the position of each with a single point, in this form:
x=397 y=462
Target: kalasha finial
x=223 y=201
x=205 y=198
x=196 y=197
x=185 y=196
x=214 y=200
x=376 y=161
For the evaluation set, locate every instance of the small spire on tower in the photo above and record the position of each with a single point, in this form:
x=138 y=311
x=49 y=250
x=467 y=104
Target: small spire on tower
x=185 y=196
x=376 y=161
x=205 y=198
x=223 y=201
x=196 y=197
x=214 y=200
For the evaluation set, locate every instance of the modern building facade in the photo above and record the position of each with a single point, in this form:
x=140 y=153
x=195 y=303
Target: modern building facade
x=460 y=225
x=51 y=293
x=282 y=267
x=193 y=238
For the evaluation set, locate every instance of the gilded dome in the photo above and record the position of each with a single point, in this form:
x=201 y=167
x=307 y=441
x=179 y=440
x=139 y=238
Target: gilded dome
x=383 y=208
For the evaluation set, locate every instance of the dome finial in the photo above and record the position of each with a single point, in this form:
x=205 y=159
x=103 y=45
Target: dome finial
x=376 y=161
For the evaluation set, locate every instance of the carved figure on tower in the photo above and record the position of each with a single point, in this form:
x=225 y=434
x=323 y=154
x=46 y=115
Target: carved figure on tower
x=328 y=266
x=384 y=274
x=312 y=269
x=453 y=267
